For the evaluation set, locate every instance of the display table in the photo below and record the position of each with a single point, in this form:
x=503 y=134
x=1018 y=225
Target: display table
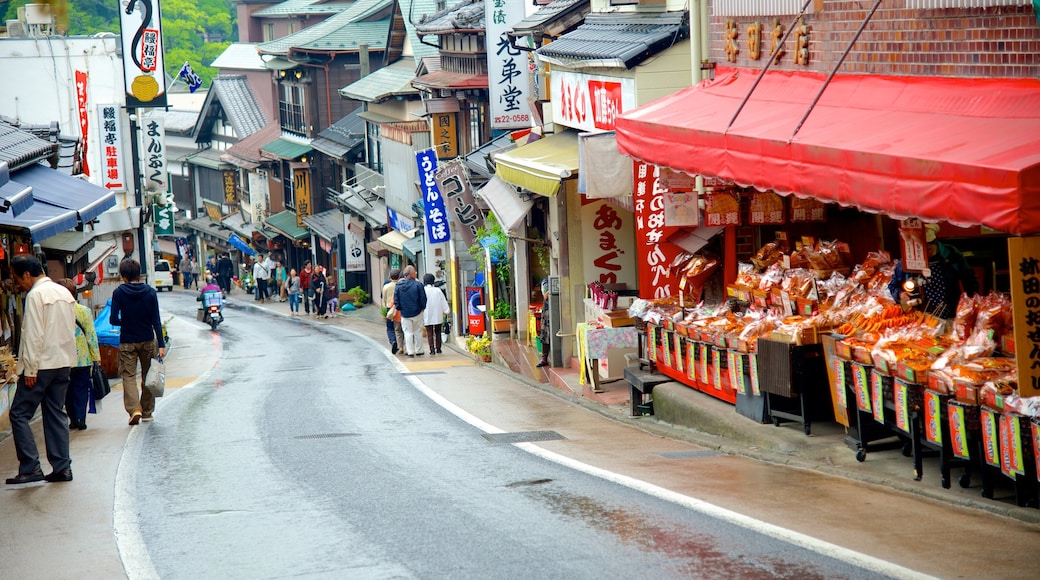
x=596 y=343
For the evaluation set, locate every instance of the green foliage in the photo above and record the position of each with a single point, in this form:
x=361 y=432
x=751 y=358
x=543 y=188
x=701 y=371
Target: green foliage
x=196 y=31
x=360 y=296
x=502 y=310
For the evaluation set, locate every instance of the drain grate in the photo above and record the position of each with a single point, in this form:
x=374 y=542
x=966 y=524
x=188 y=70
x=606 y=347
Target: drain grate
x=687 y=454
x=522 y=437
x=326 y=435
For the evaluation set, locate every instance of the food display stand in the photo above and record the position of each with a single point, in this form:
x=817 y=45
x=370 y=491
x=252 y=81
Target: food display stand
x=607 y=344
x=794 y=379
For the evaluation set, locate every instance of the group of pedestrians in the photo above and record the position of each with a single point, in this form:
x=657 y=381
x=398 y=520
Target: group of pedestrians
x=413 y=308
x=57 y=349
x=189 y=268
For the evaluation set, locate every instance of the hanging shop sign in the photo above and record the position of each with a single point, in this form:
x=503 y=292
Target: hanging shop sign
x=81 y=110
x=302 y=194
x=1024 y=262
x=228 y=180
x=153 y=155
x=437 y=230
x=112 y=177
x=445 y=135
x=681 y=209
x=807 y=210
x=399 y=222
x=508 y=71
x=673 y=180
x=453 y=182
x=767 y=209
x=590 y=102
x=355 y=239
x=140 y=24
x=653 y=253
x=912 y=244
x=258 y=200
x=163 y=218
x=722 y=208
x=605 y=235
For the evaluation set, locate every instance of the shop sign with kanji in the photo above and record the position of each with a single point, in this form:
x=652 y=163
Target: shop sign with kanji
x=767 y=208
x=1024 y=262
x=722 y=208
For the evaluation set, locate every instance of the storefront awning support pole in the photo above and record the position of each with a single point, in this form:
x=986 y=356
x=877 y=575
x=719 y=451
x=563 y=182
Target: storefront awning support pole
x=834 y=70
x=769 y=63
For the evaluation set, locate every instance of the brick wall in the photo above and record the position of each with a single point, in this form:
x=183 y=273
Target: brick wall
x=1000 y=42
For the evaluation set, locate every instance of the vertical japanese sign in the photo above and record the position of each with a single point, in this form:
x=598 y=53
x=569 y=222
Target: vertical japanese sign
x=163 y=218
x=437 y=230
x=455 y=187
x=140 y=23
x=228 y=179
x=445 y=137
x=153 y=150
x=653 y=253
x=81 y=109
x=508 y=72
x=355 y=240
x=111 y=129
x=258 y=199
x=1024 y=262
x=912 y=242
x=607 y=234
x=302 y=193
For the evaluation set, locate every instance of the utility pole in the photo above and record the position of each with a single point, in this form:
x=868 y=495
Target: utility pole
x=135 y=159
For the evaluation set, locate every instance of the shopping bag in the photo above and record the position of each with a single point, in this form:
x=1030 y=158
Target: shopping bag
x=100 y=382
x=155 y=380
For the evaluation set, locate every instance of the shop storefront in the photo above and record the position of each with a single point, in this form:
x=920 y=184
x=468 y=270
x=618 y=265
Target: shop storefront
x=822 y=184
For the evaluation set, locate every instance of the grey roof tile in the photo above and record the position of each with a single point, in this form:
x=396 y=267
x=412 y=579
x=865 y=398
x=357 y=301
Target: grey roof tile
x=20 y=148
x=388 y=82
x=239 y=103
x=299 y=7
x=336 y=31
x=466 y=15
x=617 y=39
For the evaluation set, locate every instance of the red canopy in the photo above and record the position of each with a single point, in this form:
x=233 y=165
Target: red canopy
x=966 y=151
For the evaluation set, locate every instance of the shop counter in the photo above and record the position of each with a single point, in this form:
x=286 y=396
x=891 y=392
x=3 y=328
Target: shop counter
x=606 y=344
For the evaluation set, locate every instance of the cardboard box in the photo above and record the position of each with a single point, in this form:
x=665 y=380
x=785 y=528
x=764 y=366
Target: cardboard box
x=614 y=365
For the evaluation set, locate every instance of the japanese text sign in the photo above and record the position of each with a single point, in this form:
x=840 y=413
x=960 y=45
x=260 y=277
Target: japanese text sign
x=807 y=210
x=590 y=102
x=228 y=179
x=606 y=235
x=444 y=135
x=81 y=109
x=153 y=153
x=163 y=218
x=140 y=23
x=912 y=242
x=302 y=194
x=437 y=230
x=767 y=208
x=112 y=176
x=1024 y=262
x=455 y=187
x=722 y=208
x=653 y=253
x=508 y=67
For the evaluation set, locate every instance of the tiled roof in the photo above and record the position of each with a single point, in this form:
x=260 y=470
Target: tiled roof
x=385 y=83
x=565 y=13
x=618 y=40
x=466 y=15
x=20 y=148
x=300 y=7
x=246 y=153
x=234 y=95
x=413 y=11
x=239 y=56
x=175 y=121
x=443 y=79
x=345 y=30
x=342 y=136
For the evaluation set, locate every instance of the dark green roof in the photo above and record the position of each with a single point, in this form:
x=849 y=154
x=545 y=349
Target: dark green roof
x=285 y=148
x=285 y=224
x=362 y=23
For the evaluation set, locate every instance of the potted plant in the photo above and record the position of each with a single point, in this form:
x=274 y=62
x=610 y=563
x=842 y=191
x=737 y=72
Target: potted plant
x=501 y=316
x=357 y=296
x=479 y=346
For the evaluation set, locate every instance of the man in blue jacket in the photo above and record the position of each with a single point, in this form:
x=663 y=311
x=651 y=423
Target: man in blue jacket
x=135 y=309
x=410 y=301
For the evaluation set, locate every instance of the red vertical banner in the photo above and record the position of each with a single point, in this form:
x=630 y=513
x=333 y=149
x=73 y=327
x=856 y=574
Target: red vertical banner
x=81 y=109
x=653 y=252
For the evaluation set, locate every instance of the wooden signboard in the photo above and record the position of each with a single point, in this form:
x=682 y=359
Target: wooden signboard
x=1024 y=262
x=767 y=208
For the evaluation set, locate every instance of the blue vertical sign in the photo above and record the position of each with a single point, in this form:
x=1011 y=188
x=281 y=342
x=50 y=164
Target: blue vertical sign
x=437 y=230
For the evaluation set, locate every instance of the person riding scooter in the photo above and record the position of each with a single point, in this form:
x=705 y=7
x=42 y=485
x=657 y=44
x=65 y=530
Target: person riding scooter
x=211 y=295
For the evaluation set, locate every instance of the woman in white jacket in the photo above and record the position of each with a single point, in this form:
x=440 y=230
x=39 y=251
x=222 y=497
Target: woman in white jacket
x=433 y=317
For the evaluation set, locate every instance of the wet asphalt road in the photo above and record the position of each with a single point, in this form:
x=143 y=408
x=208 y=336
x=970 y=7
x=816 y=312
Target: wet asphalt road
x=307 y=454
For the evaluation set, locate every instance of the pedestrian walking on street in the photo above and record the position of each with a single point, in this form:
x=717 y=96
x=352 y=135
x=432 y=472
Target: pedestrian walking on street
x=393 y=323
x=185 y=269
x=46 y=355
x=292 y=288
x=135 y=310
x=225 y=270
x=262 y=275
x=410 y=300
x=318 y=286
x=305 y=286
x=194 y=271
x=433 y=317
x=331 y=297
x=80 y=395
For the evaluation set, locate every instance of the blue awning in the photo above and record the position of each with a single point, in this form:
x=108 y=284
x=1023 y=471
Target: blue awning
x=42 y=220
x=14 y=197
x=65 y=191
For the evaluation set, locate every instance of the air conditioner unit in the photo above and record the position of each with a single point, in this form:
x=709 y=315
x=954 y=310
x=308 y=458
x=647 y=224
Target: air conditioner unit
x=15 y=29
x=38 y=14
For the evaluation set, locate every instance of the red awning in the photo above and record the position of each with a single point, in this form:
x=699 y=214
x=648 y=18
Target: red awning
x=966 y=151
x=442 y=79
